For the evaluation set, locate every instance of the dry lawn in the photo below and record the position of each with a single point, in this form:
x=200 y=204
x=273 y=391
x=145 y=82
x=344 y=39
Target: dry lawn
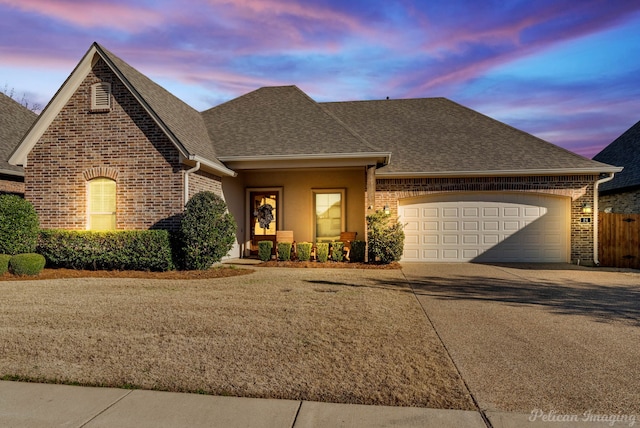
x=339 y=335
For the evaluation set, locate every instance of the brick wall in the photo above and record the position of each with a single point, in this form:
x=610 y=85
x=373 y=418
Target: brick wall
x=123 y=143
x=621 y=203
x=578 y=188
x=201 y=181
x=11 y=185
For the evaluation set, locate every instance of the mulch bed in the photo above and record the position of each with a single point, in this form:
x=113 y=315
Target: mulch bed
x=219 y=272
x=329 y=265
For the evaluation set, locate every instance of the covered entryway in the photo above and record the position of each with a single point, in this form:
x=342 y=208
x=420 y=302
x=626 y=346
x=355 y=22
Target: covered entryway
x=486 y=227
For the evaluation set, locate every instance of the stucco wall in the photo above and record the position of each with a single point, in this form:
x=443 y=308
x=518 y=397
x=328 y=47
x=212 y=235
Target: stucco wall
x=578 y=188
x=621 y=203
x=297 y=197
x=124 y=144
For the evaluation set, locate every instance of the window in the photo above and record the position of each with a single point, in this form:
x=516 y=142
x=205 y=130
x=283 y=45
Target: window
x=102 y=204
x=101 y=97
x=329 y=214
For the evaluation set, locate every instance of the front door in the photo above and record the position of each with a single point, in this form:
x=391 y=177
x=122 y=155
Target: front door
x=263 y=208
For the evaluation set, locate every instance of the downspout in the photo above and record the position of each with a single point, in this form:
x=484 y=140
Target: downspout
x=596 y=214
x=186 y=181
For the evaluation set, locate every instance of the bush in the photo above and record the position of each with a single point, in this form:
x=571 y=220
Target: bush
x=4 y=263
x=386 y=239
x=147 y=250
x=284 y=251
x=304 y=251
x=207 y=231
x=264 y=250
x=19 y=225
x=358 y=249
x=322 y=251
x=337 y=251
x=27 y=264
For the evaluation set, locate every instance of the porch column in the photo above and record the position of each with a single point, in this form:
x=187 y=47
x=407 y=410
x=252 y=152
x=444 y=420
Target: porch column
x=371 y=189
x=371 y=204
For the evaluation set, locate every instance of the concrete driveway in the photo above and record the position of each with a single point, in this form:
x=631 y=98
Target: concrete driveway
x=557 y=338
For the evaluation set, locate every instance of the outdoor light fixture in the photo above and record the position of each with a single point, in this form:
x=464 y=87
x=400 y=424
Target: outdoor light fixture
x=586 y=208
x=387 y=210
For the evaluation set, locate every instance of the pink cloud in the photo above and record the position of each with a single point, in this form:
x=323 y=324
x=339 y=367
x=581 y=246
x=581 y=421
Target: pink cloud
x=88 y=14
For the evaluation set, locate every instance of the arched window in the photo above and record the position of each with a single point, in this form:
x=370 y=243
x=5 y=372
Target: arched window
x=101 y=204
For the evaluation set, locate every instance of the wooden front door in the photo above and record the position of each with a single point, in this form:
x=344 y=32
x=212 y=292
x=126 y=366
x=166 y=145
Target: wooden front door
x=263 y=208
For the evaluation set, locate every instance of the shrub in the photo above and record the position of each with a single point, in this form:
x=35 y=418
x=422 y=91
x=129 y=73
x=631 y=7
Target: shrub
x=27 y=264
x=284 y=251
x=358 y=249
x=147 y=250
x=19 y=225
x=264 y=250
x=304 y=251
x=322 y=251
x=207 y=231
x=337 y=251
x=386 y=239
x=4 y=263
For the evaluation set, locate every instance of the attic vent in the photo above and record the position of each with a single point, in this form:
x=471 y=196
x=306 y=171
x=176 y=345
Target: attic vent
x=101 y=97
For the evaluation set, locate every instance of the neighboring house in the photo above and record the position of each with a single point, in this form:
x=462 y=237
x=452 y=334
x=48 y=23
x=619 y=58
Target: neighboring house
x=15 y=120
x=113 y=150
x=622 y=194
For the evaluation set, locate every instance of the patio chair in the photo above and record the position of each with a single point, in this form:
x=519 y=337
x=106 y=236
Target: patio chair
x=347 y=238
x=285 y=236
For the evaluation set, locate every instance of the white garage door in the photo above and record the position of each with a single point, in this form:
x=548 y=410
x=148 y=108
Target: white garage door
x=486 y=227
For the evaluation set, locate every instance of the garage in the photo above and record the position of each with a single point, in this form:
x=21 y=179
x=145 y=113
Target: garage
x=486 y=227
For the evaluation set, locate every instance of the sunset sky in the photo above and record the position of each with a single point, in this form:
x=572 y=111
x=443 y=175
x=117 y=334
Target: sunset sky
x=566 y=71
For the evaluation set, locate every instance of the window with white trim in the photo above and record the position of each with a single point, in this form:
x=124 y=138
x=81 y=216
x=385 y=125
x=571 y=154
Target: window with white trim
x=101 y=204
x=101 y=96
x=329 y=207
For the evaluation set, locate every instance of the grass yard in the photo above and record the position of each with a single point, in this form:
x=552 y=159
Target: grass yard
x=339 y=335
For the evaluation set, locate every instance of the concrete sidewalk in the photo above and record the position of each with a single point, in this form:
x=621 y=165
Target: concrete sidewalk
x=32 y=405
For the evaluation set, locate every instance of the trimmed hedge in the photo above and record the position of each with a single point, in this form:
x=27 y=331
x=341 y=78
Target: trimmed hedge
x=284 y=251
x=264 y=250
x=337 y=251
x=322 y=251
x=27 y=264
x=304 y=251
x=207 y=231
x=4 y=263
x=146 y=250
x=386 y=238
x=19 y=225
x=358 y=250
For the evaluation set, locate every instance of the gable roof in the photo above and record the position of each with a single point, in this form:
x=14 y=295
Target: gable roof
x=438 y=137
x=180 y=122
x=283 y=123
x=15 y=120
x=623 y=151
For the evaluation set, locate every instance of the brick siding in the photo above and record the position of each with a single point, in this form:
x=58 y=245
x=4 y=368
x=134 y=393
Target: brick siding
x=124 y=144
x=578 y=188
x=201 y=181
x=622 y=202
x=12 y=185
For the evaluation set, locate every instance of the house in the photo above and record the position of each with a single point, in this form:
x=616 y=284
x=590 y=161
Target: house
x=622 y=194
x=114 y=150
x=15 y=120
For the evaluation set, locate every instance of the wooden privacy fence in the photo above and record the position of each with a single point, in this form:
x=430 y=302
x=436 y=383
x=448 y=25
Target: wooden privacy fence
x=619 y=240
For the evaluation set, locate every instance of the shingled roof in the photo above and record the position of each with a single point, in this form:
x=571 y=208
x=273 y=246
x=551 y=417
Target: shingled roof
x=279 y=121
x=182 y=124
x=623 y=151
x=436 y=136
x=15 y=120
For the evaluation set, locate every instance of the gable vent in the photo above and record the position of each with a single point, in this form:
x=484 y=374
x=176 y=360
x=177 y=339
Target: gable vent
x=101 y=97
